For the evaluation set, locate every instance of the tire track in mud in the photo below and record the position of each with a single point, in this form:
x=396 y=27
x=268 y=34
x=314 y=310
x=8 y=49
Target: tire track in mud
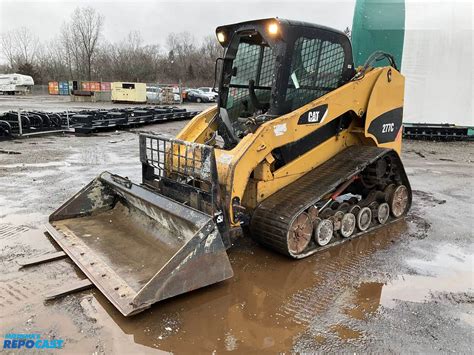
x=29 y=286
x=324 y=306
x=453 y=298
x=16 y=292
x=20 y=287
x=9 y=231
x=337 y=274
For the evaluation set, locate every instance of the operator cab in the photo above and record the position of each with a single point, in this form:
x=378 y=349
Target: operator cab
x=274 y=66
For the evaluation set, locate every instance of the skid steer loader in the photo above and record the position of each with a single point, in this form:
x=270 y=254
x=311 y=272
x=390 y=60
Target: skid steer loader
x=301 y=152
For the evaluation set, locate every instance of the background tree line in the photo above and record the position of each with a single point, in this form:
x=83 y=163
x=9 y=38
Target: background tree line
x=80 y=52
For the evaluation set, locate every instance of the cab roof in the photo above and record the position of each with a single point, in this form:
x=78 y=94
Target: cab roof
x=284 y=23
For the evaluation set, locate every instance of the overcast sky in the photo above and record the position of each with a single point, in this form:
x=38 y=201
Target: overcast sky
x=156 y=19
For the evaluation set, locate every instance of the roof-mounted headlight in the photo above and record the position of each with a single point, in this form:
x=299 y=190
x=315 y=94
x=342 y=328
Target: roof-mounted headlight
x=221 y=37
x=273 y=28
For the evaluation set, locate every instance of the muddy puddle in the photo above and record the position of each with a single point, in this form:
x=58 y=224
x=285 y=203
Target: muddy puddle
x=264 y=307
x=269 y=303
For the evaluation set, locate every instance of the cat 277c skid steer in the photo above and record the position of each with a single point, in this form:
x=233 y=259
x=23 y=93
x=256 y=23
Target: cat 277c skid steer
x=301 y=152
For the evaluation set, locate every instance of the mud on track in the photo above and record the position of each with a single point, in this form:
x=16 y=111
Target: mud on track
x=406 y=288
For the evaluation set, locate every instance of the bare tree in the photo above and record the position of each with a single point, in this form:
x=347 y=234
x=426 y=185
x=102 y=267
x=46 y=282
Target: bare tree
x=79 y=53
x=69 y=48
x=27 y=44
x=86 y=27
x=8 y=48
x=129 y=60
x=50 y=61
x=19 y=46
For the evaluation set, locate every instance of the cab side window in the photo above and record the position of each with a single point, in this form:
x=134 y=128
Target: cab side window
x=317 y=68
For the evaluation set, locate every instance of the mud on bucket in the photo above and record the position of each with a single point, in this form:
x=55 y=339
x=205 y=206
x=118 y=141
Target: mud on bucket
x=137 y=246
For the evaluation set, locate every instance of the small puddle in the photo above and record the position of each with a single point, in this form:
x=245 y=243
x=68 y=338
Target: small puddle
x=366 y=300
x=450 y=271
x=448 y=275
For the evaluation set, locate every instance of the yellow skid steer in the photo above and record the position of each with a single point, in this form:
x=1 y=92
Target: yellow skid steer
x=301 y=152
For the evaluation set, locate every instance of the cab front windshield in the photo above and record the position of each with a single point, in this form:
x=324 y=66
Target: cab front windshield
x=254 y=61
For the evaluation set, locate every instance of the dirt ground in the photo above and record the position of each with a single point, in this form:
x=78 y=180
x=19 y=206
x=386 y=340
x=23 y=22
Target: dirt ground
x=408 y=288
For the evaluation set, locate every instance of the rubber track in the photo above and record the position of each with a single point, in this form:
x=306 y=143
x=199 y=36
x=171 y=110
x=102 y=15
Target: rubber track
x=273 y=216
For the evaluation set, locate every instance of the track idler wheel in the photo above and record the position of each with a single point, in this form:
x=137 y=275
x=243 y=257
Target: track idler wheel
x=348 y=225
x=299 y=233
x=399 y=201
x=323 y=231
x=383 y=212
x=364 y=218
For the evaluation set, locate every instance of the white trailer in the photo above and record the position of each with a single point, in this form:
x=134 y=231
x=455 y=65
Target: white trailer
x=438 y=62
x=12 y=84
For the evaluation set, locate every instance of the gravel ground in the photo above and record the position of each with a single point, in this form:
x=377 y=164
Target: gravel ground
x=407 y=288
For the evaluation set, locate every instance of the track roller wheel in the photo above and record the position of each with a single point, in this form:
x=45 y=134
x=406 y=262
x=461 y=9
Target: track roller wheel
x=383 y=211
x=353 y=200
x=364 y=218
x=323 y=231
x=355 y=210
x=374 y=207
x=337 y=219
x=326 y=213
x=299 y=233
x=348 y=225
x=344 y=207
x=399 y=201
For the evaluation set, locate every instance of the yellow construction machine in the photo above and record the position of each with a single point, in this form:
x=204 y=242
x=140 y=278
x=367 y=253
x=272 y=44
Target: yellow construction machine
x=301 y=152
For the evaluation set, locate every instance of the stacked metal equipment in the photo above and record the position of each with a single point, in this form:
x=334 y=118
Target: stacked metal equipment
x=24 y=123
x=15 y=123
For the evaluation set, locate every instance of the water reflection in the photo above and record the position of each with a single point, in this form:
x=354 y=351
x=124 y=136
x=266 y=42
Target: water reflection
x=252 y=311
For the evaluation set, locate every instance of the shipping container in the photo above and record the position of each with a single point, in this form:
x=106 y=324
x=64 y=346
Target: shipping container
x=86 y=86
x=128 y=92
x=63 y=88
x=95 y=86
x=105 y=86
x=53 y=88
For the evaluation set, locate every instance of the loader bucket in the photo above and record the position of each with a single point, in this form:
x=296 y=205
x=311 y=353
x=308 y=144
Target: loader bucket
x=136 y=245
